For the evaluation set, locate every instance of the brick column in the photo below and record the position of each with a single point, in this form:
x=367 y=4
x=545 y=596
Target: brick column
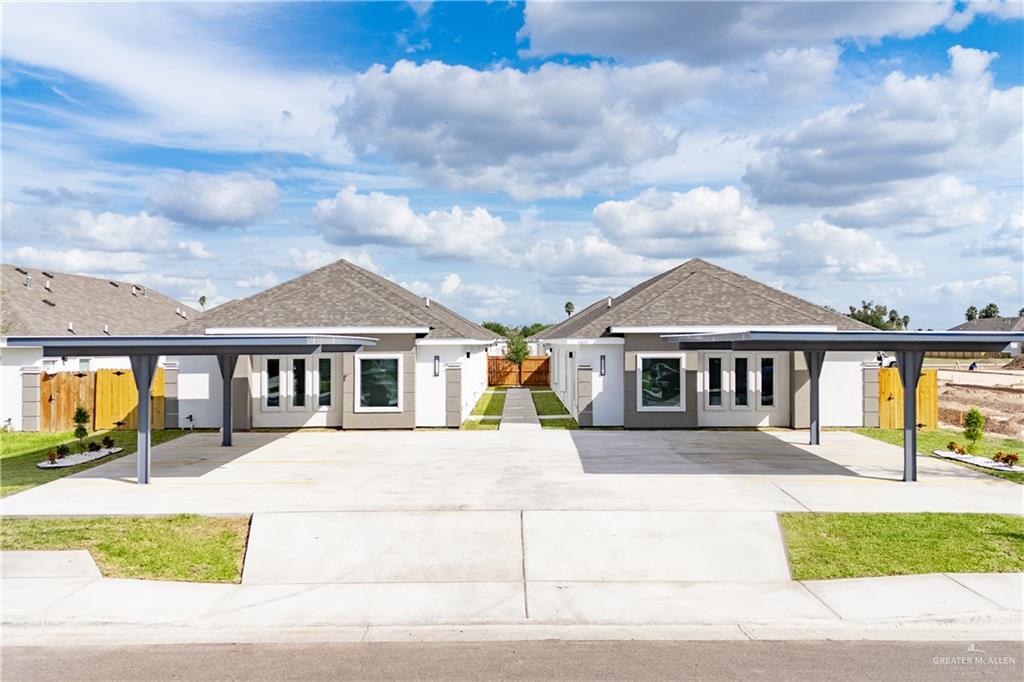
x=30 y=414
x=453 y=395
x=170 y=395
x=871 y=397
x=584 y=395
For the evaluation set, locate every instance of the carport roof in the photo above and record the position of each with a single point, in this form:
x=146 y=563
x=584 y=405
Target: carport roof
x=849 y=340
x=256 y=344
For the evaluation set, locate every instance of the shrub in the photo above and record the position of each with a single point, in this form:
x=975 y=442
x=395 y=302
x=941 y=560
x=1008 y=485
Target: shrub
x=1007 y=458
x=953 y=446
x=94 y=446
x=63 y=450
x=80 y=418
x=108 y=442
x=51 y=456
x=974 y=424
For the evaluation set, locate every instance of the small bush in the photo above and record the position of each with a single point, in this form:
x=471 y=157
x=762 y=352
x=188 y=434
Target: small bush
x=1007 y=458
x=63 y=450
x=108 y=442
x=94 y=446
x=51 y=456
x=953 y=446
x=974 y=425
x=80 y=418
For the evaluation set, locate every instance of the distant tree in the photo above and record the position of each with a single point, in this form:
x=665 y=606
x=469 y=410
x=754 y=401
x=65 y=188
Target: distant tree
x=991 y=310
x=971 y=313
x=531 y=329
x=569 y=308
x=496 y=327
x=1020 y=313
x=516 y=349
x=202 y=302
x=879 y=316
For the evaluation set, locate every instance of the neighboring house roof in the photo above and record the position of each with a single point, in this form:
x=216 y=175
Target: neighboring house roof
x=991 y=324
x=336 y=295
x=88 y=303
x=697 y=293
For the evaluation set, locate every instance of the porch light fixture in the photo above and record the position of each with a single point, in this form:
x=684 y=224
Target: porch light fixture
x=437 y=365
x=602 y=365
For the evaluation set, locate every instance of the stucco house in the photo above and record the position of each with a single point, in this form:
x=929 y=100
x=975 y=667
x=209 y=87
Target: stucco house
x=427 y=368
x=37 y=302
x=611 y=365
x=995 y=324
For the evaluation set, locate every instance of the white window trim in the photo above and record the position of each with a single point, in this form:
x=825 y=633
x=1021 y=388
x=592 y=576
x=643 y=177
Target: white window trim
x=640 y=407
x=706 y=376
x=775 y=389
x=752 y=393
x=316 y=383
x=281 y=383
x=290 y=374
x=357 y=407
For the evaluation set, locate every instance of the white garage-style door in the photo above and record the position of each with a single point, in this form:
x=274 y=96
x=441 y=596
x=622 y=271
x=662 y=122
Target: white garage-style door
x=743 y=389
x=297 y=390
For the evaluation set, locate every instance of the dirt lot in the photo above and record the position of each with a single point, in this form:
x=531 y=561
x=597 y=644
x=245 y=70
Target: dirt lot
x=1003 y=407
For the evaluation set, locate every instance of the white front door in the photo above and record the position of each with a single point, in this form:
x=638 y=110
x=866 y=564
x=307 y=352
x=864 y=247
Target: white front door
x=743 y=389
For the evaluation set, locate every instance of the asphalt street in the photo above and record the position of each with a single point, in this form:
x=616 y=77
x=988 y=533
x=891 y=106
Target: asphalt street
x=534 y=660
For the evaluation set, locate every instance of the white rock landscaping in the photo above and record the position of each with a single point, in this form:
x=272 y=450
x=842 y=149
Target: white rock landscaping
x=983 y=462
x=79 y=458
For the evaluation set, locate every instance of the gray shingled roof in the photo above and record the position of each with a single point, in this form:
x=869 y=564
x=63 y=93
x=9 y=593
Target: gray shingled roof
x=991 y=324
x=88 y=302
x=338 y=294
x=697 y=293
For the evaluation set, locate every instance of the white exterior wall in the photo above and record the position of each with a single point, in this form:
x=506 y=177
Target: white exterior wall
x=13 y=359
x=563 y=371
x=430 y=390
x=474 y=378
x=199 y=391
x=607 y=391
x=842 y=388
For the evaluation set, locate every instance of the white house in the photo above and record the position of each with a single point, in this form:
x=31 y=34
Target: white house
x=612 y=366
x=47 y=303
x=427 y=368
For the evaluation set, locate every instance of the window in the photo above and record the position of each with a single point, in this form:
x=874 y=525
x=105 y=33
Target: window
x=83 y=364
x=298 y=382
x=741 y=381
x=323 y=382
x=273 y=393
x=767 y=382
x=660 y=383
x=714 y=381
x=379 y=383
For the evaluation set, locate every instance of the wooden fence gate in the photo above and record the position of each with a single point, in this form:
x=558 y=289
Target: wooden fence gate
x=890 y=399
x=535 y=371
x=109 y=395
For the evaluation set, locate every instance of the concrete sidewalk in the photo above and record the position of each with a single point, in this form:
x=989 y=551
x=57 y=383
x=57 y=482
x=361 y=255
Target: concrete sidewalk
x=937 y=606
x=519 y=413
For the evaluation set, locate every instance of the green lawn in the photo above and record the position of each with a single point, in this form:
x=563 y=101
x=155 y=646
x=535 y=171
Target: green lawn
x=568 y=423
x=939 y=439
x=548 y=404
x=490 y=405
x=186 y=547
x=22 y=451
x=822 y=546
x=478 y=425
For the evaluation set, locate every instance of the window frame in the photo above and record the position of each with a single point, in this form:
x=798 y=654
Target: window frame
x=774 y=357
x=290 y=374
x=282 y=380
x=753 y=395
x=723 y=386
x=358 y=396
x=640 y=357
x=316 y=383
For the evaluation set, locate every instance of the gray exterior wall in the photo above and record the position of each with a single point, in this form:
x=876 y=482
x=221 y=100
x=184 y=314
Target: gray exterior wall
x=30 y=414
x=585 y=395
x=800 y=391
x=632 y=419
x=871 y=418
x=241 y=404
x=171 y=395
x=406 y=419
x=453 y=396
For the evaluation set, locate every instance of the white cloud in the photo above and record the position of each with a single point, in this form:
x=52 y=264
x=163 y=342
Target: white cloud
x=305 y=260
x=992 y=286
x=379 y=218
x=450 y=283
x=908 y=128
x=700 y=221
x=472 y=299
x=1007 y=240
x=821 y=251
x=924 y=207
x=194 y=249
x=714 y=32
x=78 y=261
x=184 y=288
x=264 y=281
x=215 y=200
x=105 y=231
x=554 y=131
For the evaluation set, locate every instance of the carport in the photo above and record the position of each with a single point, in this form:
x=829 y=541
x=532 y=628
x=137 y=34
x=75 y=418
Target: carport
x=909 y=348
x=145 y=351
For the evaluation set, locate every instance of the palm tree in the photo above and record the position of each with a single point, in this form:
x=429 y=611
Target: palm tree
x=202 y=302
x=569 y=308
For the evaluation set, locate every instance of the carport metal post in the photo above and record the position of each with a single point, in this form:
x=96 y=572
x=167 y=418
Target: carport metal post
x=143 y=369
x=815 y=359
x=909 y=363
x=227 y=362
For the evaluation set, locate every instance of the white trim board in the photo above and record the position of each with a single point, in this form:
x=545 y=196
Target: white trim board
x=351 y=330
x=454 y=342
x=722 y=329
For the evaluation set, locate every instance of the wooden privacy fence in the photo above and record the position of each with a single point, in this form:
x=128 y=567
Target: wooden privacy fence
x=109 y=395
x=535 y=371
x=890 y=399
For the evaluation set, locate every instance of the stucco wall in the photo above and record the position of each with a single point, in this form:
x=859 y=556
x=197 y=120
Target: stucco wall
x=634 y=419
x=406 y=419
x=841 y=389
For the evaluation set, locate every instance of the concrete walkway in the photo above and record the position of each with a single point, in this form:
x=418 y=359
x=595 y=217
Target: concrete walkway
x=39 y=605
x=519 y=413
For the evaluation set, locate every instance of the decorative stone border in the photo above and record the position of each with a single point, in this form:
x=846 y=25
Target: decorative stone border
x=79 y=458
x=983 y=462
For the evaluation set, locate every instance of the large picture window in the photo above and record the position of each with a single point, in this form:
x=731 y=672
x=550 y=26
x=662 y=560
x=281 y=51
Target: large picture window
x=379 y=383
x=660 y=384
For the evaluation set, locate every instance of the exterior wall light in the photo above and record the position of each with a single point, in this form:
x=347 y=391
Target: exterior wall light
x=437 y=365
x=602 y=365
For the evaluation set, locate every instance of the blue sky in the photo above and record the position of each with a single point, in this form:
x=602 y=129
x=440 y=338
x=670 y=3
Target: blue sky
x=507 y=157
